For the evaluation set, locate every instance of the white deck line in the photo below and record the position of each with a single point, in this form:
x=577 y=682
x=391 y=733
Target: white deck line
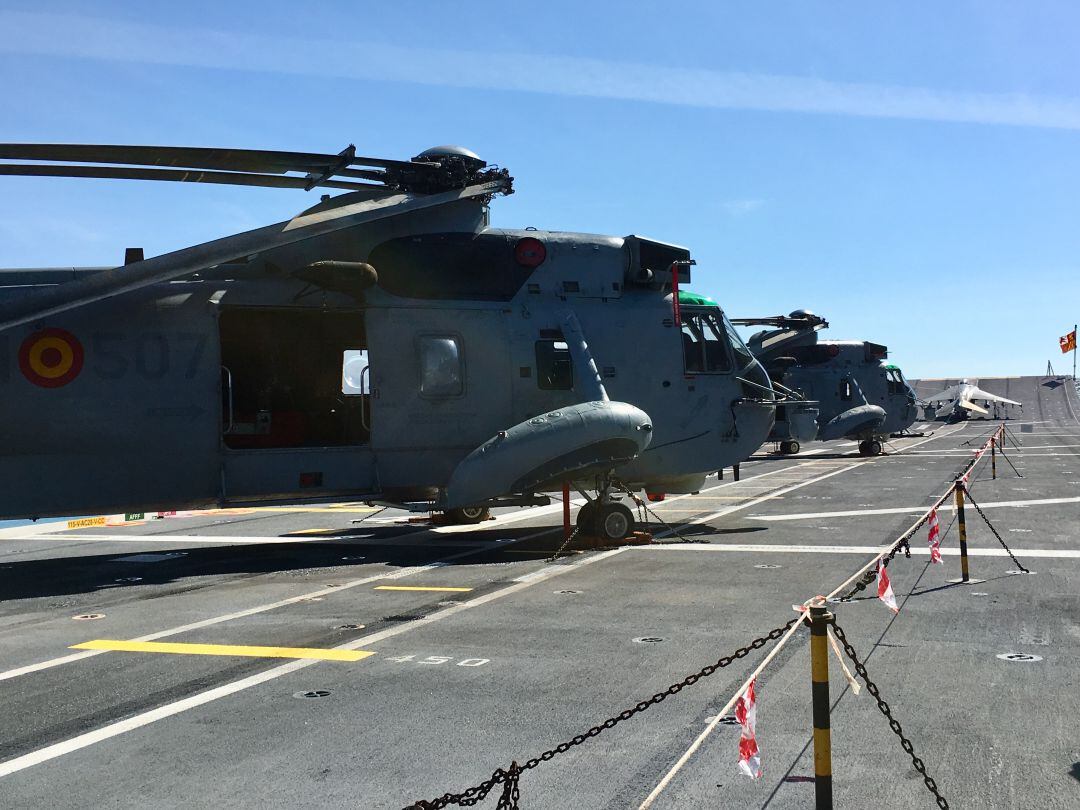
x=688 y=754
x=901 y=510
x=323 y=591
x=1048 y=553
x=111 y=730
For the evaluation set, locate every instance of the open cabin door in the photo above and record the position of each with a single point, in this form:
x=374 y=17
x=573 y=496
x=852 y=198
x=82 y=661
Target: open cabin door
x=295 y=403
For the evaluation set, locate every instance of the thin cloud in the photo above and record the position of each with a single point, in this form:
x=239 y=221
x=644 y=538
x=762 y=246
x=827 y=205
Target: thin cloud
x=63 y=35
x=740 y=207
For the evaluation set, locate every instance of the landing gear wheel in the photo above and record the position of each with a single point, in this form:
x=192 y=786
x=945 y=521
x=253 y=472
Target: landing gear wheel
x=585 y=518
x=614 y=522
x=468 y=514
x=871 y=447
x=789 y=448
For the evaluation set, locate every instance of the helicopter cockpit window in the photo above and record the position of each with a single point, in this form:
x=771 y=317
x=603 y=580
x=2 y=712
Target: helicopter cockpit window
x=743 y=356
x=895 y=381
x=704 y=344
x=441 y=367
x=554 y=369
x=892 y=381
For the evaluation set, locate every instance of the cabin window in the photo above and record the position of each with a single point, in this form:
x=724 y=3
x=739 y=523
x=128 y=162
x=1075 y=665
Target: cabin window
x=355 y=380
x=554 y=370
x=441 y=366
x=705 y=344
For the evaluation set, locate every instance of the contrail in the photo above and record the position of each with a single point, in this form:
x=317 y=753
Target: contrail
x=64 y=35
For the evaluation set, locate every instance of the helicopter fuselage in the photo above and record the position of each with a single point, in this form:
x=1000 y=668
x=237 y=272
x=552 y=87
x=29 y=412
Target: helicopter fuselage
x=285 y=378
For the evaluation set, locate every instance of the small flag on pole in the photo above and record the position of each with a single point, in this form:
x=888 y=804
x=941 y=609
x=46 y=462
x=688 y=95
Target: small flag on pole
x=934 y=538
x=746 y=714
x=1068 y=343
x=884 y=589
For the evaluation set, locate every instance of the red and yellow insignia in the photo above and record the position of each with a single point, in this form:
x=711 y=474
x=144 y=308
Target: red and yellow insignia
x=51 y=358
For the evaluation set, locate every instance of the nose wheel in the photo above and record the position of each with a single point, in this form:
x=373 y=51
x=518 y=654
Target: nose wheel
x=609 y=521
x=606 y=519
x=871 y=447
x=789 y=448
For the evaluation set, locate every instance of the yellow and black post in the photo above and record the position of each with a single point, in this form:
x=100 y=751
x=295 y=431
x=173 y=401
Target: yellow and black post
x=961 y=524
x=820 y=619
x=993 y=457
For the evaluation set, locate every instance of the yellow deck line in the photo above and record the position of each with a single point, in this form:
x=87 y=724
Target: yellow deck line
x=417 y=588
x=221 y=649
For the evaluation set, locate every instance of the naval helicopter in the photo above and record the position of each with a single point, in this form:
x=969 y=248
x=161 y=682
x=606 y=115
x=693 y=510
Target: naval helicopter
x=385 y=344
x=855 y=393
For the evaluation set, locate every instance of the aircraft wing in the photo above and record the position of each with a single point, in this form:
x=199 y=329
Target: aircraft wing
x=978 y=393
x=949 y=394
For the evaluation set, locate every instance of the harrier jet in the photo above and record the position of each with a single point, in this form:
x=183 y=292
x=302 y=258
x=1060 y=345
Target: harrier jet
x=961 y=401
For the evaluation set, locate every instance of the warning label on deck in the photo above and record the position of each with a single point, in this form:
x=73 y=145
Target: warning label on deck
x=86 y=523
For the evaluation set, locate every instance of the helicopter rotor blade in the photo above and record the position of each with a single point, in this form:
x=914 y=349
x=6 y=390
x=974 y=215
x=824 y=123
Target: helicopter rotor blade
x=43 y=302
x=185 y=176
x=196 y=157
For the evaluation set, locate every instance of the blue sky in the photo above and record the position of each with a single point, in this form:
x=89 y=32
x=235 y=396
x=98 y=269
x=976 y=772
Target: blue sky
x=909 y=170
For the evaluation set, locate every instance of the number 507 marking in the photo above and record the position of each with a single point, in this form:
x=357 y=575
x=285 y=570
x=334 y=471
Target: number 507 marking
x=440 y=659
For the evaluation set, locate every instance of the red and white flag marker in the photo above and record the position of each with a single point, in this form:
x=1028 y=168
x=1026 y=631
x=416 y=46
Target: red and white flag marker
x=933 y=539
x=746 y=714
x=884 y=589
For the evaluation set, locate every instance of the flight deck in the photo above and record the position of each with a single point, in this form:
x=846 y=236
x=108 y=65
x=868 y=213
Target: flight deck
x=344 y=655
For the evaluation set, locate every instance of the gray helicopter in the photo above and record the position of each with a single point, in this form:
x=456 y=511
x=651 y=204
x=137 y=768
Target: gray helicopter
x=385 y=344
x=856 y=394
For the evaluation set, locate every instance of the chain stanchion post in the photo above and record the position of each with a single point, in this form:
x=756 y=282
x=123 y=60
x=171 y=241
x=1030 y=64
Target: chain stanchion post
x=820 y=619
x=735 y=471
x=961 y=524
x=993 y=457
x=566 y=510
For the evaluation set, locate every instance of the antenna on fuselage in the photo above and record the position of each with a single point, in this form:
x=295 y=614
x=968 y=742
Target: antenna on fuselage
x=591 y=387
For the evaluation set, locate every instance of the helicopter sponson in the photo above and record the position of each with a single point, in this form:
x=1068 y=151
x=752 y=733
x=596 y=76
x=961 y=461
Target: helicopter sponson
x=535 y=456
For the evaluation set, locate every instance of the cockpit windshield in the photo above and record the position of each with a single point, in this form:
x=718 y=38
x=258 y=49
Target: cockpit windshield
x=712 y=346
x=743 y=357
x=705 y=348
x=894 y=377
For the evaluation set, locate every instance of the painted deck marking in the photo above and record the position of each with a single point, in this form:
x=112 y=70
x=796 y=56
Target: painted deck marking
x=1047 y=553
x=902 y=510
x=80 y=741
x=419 y=588
x=178 y=648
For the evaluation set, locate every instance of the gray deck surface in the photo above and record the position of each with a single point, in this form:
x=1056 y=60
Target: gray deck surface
x=555 y=644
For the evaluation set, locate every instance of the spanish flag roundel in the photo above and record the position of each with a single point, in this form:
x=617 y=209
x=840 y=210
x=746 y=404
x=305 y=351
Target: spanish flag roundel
x=51 y=358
